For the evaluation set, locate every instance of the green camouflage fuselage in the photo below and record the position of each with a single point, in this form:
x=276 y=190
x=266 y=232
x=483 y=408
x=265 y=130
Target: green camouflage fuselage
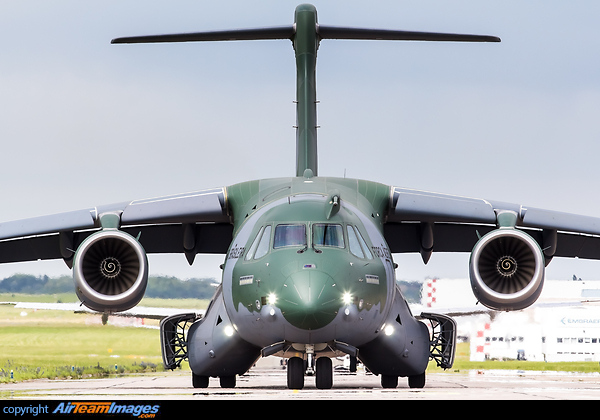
x=308 y=262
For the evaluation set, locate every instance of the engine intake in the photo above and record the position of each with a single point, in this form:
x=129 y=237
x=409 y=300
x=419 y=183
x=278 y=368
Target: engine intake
x=507 y=270
x=110 y=271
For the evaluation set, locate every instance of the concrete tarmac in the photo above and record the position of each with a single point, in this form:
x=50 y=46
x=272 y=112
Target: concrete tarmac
x=269 y=383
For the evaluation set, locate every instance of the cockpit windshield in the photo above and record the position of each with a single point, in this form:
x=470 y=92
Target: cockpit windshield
x=327 y=234
x=295 y=235
x=289 y=235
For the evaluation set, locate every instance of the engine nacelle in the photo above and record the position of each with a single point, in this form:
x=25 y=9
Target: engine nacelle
x=507 y=270
x=110 y=271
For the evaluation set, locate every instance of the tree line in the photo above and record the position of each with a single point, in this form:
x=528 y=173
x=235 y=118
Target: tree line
x=158 y=286
x=165 y=287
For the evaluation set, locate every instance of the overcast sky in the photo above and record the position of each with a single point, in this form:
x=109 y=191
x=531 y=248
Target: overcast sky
x=85 y=123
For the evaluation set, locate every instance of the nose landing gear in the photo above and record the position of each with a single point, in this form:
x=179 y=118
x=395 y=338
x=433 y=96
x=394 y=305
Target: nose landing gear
x=324 y=373
x=295 y=373
x=297 y=368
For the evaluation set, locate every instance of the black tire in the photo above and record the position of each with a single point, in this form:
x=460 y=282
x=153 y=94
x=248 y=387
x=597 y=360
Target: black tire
x=389 y=381
x=324 y=373
x=295 y=373
x=227 y=381
x=199 y=381
x=417 y=381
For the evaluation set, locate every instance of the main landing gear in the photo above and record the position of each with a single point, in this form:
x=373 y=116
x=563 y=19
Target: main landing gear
x=416 y=381
x=202 y=381
x=297 y=367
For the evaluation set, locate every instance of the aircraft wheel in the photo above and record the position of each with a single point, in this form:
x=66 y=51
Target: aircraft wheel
x=417 y=381
x=199 y=381
x=389 y=381
x=295 y=373
x=324 y=373
x=227 y=381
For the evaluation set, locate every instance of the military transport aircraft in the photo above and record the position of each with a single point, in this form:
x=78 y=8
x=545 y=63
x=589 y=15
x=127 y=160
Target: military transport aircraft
x=308 y=272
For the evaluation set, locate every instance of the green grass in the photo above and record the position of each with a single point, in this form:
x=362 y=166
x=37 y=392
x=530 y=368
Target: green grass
x=76 y=351
x=21 y=297
x=61 y=344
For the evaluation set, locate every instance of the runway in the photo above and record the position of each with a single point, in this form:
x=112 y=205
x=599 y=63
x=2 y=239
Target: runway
x=270 y=384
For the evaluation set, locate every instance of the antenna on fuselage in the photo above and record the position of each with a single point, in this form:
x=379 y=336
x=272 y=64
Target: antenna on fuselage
x=305 y=34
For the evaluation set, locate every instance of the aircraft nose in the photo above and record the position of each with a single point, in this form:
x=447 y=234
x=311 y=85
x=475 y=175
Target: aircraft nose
x=309 y=299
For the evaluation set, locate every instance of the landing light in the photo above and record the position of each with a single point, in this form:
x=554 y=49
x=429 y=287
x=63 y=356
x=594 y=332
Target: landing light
x=347 y=298
x=272 y=299
x=229 y=331
x=388 y=330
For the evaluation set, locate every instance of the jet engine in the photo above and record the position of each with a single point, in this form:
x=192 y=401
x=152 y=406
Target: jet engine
x=507 y=269
x=110 y=271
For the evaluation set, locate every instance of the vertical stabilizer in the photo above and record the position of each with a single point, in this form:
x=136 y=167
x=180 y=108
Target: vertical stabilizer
x=305 y=35
x=306 y=43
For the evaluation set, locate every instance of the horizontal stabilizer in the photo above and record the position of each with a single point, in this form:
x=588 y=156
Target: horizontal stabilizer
x=280 y=32
x=288 y=32
x=333 y=32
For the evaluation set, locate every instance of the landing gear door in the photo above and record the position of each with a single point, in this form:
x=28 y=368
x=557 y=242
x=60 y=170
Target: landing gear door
x=442 y=339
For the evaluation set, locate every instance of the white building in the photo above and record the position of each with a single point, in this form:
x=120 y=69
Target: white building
x=570 y=334
x=556 y=328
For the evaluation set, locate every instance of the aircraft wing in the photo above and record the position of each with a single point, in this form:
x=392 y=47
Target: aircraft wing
x=160 y=224
x=460 y=311
x=448 y=223
x=136 y=312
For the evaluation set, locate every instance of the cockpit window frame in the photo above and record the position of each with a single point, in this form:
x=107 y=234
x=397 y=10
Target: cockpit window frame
x=339 y=235
x=250 y=254
x=287 y=240
x=362 y=241
x=354 y=243
x=266 y=239
x=261 y=244
x=264 y=245
x=362 y=244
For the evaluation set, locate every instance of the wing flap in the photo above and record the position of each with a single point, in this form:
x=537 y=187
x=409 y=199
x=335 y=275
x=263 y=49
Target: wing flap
x=448 y=237
x=156 y=239
x=30 y=249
